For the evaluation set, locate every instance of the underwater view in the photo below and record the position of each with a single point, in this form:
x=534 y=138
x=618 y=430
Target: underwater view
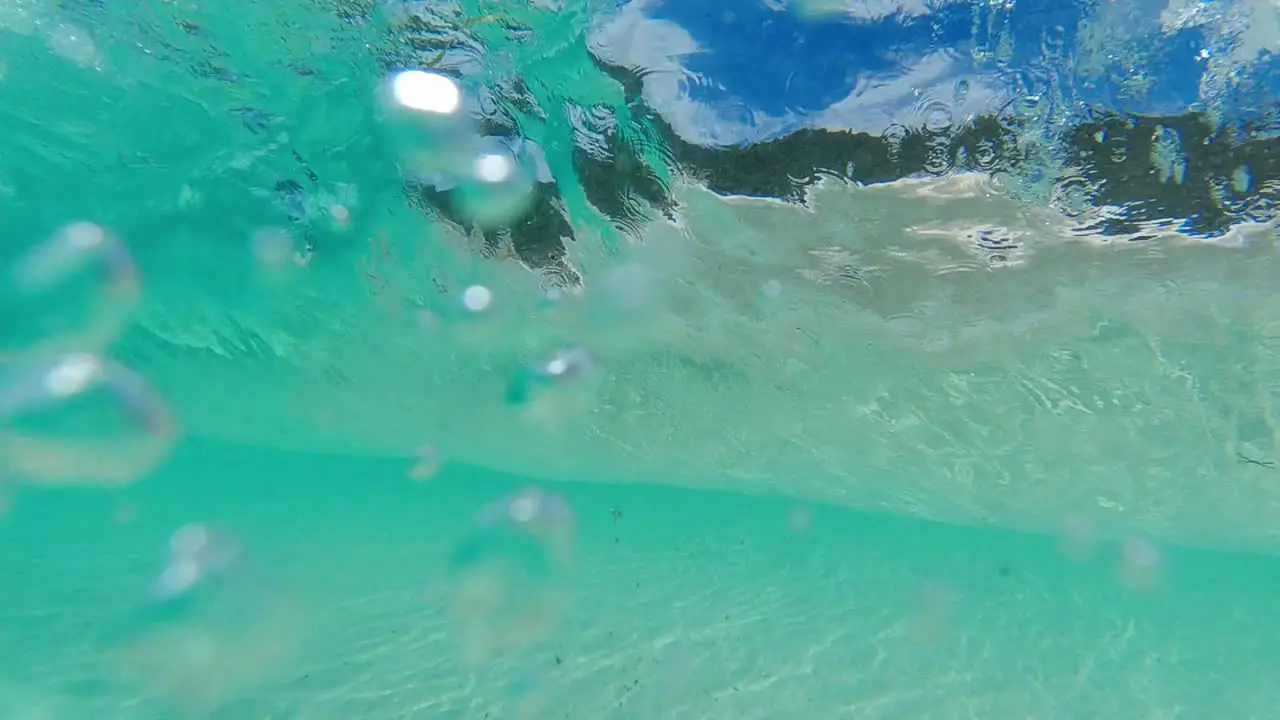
x=570 y=359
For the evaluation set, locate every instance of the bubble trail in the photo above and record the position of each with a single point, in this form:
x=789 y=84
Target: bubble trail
x=79 y=419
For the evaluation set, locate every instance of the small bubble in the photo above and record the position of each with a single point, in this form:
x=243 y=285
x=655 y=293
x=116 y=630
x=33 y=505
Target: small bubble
x=934 y=606
x=426 y=465
x=496 y=188
x=799 y=520
x=511 y=574
x=1077 y=539
x=628 y=287
x=196 y=553
x=75 y=290
x=477 y=298
x=771 y=288
x=77 y=418
x=340 y=215
x=1139 y=564
x=272 y=246
x=561 y=386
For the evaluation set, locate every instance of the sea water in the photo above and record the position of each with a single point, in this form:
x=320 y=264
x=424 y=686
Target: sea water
x=277 y=443
x=344 y=589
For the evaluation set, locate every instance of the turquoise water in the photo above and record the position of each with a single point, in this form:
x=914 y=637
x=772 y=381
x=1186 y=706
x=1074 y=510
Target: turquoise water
x=638 y=360
x=683 y=603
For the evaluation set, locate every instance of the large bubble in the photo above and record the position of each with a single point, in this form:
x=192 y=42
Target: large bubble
x=511 y=574
x=73 y=291
x=77 y=418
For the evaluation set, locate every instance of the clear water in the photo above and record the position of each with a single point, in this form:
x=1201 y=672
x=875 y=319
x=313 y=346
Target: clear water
x=638 y=360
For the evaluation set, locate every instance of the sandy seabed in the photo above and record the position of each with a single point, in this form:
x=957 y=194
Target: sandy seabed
x=685 y=604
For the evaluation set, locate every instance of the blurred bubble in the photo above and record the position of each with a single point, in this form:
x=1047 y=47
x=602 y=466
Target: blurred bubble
x=426 y=92
x=197 y=553
x=1077 y=538
x=272 y=246
x=511 y=574
x=555 y=388
x=76 y=418
x=799 y=520
x=931 y=615
x=427 y=464
x=74 y=291
x=208 y=629
x=422 y=114
x=1139 y=564
x=75 y=44
x=477 y=298
x=496 y=187
x=629 y=286
x=340 y=215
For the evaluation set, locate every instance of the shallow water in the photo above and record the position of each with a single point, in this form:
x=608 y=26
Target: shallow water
x=638 y=360
x=680 y=603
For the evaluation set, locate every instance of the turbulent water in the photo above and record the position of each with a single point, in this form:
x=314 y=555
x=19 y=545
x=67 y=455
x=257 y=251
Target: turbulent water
x=985 y=263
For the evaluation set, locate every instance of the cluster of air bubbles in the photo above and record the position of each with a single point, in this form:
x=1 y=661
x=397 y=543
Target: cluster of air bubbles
x=1138 y=562
x=490 y=183
x=511 y=573
x=198 y=554
x=69 y=415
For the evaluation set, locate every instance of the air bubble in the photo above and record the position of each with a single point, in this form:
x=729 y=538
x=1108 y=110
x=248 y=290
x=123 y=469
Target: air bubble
x=79 y=419
x=1078 y=538
x=207 y=630
x=559 y=387
x=74 y=291
x=197 y=554
x=426 y=465
x=422 y=113
x=75 y=44
x=272 y=247
x=1139 y=564
x=497 y=187
x=477 y=298
x=935 y=116
x=425 y=92
x=1241 y=180
x=511 y=574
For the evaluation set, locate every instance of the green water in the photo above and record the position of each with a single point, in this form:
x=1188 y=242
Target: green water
x=684 y=604
x=1106 y=404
